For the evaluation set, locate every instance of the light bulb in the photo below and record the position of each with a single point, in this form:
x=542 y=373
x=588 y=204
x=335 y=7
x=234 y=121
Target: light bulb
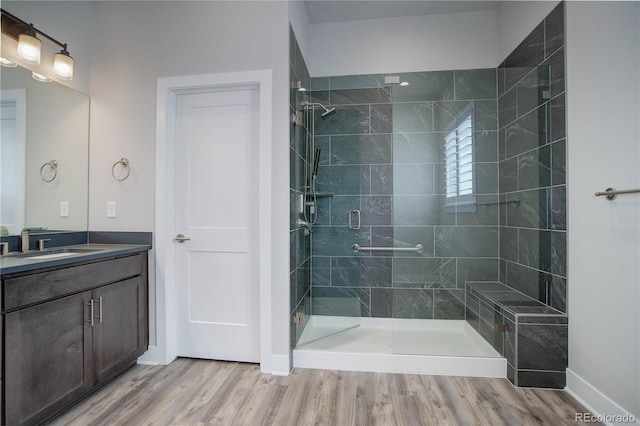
x=29 y=48
x=63 y=65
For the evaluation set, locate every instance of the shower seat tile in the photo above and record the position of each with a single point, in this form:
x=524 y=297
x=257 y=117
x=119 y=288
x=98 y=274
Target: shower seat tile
x=542 y=379
x=472 y=310
x=490 y=320
x=542 y=347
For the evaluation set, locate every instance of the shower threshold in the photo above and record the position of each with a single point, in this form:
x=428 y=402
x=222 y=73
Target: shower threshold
x=437 y=347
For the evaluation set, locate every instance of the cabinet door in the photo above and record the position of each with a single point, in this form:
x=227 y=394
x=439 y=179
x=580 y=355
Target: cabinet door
x=47 y=358
x=116 y=334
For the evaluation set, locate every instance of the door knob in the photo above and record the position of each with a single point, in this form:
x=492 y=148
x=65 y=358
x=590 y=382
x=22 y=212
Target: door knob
x=181 y=238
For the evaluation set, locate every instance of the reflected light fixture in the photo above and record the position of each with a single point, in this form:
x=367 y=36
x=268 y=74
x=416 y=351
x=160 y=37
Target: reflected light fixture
x=30 y=46
x=7 y=63
x=40 y=77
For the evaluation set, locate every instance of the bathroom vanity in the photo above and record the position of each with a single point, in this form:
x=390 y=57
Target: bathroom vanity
x=72 y=320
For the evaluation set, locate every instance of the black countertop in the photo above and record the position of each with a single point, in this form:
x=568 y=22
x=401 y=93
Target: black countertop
x=25 y=262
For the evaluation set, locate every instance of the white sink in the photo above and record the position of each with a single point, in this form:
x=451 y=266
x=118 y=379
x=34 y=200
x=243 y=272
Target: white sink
x=51 y=256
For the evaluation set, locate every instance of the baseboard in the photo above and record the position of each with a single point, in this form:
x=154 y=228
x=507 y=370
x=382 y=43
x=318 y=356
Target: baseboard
x=604 y=409
x=153 y=356
x=280 y=365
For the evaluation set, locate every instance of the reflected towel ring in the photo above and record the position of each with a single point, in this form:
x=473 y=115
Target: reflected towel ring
x=53 y=165
x=125 y=165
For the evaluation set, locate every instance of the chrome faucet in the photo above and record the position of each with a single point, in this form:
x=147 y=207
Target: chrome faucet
x=24 y=235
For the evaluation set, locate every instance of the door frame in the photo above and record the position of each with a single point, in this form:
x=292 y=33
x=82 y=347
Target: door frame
x=165 y=349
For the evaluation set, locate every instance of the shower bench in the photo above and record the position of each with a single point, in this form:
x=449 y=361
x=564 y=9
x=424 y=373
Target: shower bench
x=532 y=336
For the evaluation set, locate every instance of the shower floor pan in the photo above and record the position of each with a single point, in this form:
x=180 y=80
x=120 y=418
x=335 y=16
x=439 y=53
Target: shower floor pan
x=436 y=347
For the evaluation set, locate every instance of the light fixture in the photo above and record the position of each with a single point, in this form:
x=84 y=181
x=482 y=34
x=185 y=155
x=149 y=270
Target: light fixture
x=404 y=83
x=30 y=47
x=297 y=85
x=63 y=64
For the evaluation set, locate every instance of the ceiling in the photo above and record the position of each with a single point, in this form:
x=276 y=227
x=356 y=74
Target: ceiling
x=325 y=11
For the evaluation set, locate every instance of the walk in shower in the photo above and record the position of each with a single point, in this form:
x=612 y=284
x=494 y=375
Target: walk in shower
x=425 y=181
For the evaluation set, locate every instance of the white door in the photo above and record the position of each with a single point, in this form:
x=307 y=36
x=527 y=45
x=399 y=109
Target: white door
x=216 y=211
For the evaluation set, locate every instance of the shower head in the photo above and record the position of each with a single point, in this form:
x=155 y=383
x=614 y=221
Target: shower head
x=327 y=111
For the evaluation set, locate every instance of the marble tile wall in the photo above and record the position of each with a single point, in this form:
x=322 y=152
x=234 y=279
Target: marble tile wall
x=532 y=167
x=382 y=152
x=300 y=242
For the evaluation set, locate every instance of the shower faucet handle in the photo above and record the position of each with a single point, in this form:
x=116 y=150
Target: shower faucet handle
x=356 y=213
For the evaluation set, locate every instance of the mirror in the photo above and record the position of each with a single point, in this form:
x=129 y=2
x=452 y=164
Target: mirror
x=44 y=154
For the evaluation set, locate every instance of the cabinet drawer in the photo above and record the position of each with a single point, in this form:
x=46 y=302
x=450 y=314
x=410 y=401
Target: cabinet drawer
x=39 y=287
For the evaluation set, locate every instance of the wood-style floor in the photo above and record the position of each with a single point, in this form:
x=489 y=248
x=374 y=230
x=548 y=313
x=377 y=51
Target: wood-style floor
x=190 y=391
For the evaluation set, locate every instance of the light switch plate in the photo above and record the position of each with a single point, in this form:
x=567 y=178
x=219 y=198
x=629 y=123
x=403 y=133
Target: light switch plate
x=64 y=209
x=111 y=209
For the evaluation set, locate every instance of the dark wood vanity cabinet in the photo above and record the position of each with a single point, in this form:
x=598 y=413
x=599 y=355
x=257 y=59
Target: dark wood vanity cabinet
x=68 y=331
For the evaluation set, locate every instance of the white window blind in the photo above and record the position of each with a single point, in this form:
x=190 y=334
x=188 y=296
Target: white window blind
x=459 y=173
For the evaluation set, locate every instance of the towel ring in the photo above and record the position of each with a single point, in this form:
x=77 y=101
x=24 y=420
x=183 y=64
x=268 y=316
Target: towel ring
x=53 y=164
x=125 y=165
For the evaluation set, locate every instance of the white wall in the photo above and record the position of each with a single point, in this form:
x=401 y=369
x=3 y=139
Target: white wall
x=300 y=23
x=603 y=98
x=66 y=21
x=516 y=19
x=417 y=43
x=134 y=43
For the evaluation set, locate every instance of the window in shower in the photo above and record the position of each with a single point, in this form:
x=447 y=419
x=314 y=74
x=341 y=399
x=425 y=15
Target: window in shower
x=459 y=171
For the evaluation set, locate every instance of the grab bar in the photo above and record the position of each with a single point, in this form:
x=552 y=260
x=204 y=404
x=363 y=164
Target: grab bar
x=418 y=248
x=612 y=192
